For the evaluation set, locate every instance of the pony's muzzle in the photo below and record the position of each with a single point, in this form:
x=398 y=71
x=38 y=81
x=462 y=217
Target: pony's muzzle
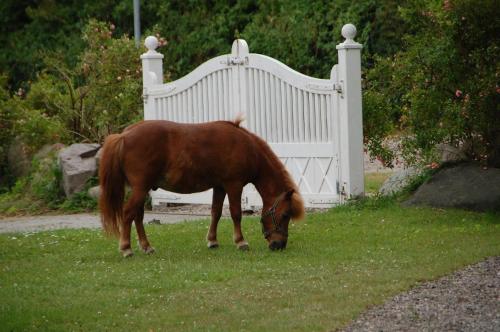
x=277 y=245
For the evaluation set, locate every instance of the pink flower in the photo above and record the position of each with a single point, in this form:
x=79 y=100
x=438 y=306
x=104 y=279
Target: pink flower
x=432 y=165
x=458 y=93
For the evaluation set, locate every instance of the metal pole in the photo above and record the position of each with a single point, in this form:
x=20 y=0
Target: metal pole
x=137 y=22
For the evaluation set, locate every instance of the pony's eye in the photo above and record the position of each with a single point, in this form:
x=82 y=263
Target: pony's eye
x=285 y=216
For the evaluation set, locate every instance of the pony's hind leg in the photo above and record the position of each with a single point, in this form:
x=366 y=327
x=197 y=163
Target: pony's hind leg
x=141 y=233
x=217 y=202
x=133 y=208
x=234 y=195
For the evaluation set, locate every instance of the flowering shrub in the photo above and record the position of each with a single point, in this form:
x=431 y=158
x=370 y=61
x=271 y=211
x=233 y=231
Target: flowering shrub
x=99 y=95
x=445 y=83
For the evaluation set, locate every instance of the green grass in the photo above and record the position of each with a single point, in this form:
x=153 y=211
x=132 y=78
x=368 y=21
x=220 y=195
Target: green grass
x=375 y=180
x=336 y=265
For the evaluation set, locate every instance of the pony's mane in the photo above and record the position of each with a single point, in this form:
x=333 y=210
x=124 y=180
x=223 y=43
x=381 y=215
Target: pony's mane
x=297 y=203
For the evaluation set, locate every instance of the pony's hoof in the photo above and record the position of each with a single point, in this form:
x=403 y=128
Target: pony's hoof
x=243 y=245
x=149 y=250
x=127 y=253
x=212 y=244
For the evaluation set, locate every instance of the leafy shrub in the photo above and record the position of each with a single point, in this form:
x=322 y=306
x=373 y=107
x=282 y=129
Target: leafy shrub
x=101 y=94
x=41 y=191
x=445 y=83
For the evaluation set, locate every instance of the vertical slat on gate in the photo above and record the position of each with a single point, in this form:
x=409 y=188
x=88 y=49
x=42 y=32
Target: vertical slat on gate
x=294 y=104
x=206 y=104
x=251 y=100
x=317 y=117
x=215 y=106
x=194 y=103
x=324 y=120
x=178 y=111
x=184 y=106
x=189 y=106
x=283 y=111
x=156 y=108
x=300 y=107
x=174 y=108
x=289 y=110
x=262 y=98
x=231 y=88
x=179 y=108
x=163 y=108
x=210 y=107
x=272 y=108
x=220 y=94
x=269 y=108
x=259 y=103
x=226 y=91
x=279 y=117
x=199 y=99
x=308 y=113
x=169 y=108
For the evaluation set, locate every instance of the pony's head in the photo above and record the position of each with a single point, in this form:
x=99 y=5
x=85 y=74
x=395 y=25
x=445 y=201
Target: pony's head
x=275 y=219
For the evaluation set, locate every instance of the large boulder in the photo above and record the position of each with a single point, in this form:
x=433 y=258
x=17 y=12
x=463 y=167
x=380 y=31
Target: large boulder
x=398 y=181
x=464 y=186
x=78 y=165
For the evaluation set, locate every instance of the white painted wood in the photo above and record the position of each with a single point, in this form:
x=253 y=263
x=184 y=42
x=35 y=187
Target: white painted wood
x=350 y=115
x=313 y=125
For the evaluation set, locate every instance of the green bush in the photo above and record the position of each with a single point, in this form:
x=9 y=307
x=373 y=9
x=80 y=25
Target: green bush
x=41 y=191
x=445 y=82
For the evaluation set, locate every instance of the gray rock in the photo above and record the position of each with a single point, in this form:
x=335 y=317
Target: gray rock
x=94 y=192
x=398 y=181
x=75 y=169
x=450 y=153
x=464 y=186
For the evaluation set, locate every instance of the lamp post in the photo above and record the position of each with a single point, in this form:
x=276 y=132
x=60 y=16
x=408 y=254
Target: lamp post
x=137 y=22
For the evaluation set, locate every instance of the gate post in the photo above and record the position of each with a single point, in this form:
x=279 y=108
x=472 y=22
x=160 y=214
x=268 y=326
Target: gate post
x=350 y=115
x=152 y=73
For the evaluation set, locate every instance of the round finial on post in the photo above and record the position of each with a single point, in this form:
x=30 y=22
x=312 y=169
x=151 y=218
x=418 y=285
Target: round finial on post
x=349 y=32
x=151 y=43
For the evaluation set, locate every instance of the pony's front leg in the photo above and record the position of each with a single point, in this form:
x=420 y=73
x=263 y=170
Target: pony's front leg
x=234 y=195
x=217 y=202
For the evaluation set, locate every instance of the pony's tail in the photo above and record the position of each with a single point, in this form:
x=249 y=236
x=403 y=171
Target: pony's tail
x=112 y=183
x=240 y=117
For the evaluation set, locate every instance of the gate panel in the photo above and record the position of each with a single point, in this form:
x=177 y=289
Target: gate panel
x=294 y=114
x=206 y=94
x=309 y=123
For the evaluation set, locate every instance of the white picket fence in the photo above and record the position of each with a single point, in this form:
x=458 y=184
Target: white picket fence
x=313 y=125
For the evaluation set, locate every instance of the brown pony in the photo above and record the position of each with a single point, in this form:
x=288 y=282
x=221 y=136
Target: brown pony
x=188 y=158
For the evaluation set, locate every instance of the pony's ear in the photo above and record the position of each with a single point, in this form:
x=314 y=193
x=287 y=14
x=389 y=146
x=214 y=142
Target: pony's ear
x=288 y=195
x=296 y=205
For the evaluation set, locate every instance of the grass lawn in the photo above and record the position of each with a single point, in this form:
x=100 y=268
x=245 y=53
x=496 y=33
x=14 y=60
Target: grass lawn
x=375 y=180
x=336 y=265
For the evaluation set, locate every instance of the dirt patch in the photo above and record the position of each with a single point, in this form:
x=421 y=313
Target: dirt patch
x=82 y=220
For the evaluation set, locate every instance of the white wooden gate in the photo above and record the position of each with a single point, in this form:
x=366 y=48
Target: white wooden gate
x=313 y=125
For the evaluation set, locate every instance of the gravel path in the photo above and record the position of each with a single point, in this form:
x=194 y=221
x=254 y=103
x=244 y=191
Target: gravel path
x=467 y=300
x=82 y=220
